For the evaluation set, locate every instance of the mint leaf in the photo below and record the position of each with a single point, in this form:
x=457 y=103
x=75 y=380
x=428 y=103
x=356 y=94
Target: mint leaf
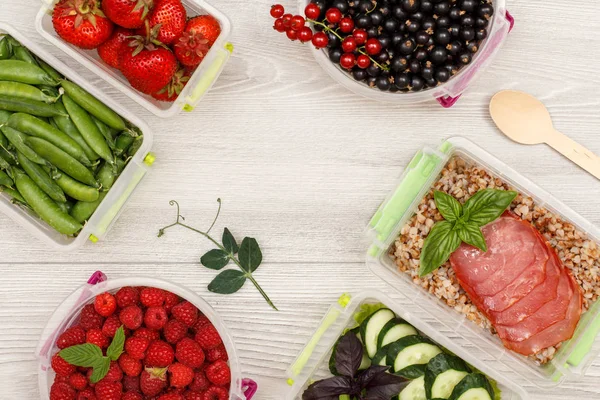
x=441 y=242
x=250 y=255
x=227 y=282
x=487 y=205
x=471 y=234
x=82 y=355
x=100 y=369
x=229 y=242
x=447 y=205
x=115 y=349
x=215 y=259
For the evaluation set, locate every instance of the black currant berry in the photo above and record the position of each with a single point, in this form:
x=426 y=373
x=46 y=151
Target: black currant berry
x=473 y=47
x=426 y=6
x=486 y=10
x=442 y=75
x=363 y=21
x=421 y=54
x=442 y=8
x=428 y=23
x=391 y=25
x=335 y=53
x=399 y=13
x=414 y=66
x=383 y=82
x=382 y=57
x=465 y=57
x=467 y=33
x=359 y=74
x=341 y=5
x=372 y=81
x=385 y=41
x=481 y=34
x=454 y=13
x=481 y=22
x=334 y=40
x=468 y=5
x=372 y=32
x=427 y=72
x=399 y=63
x=364 y=6
x=412 y=26
x=417 y=83
x=443 y=22
x=397 y=39
x=402 y=81
x=377 y=18
x=410 y=6
x=385 y=10
x=373 y=70
x=454 y=48
x=438 y=55
x=442 y=37
x=454 y=30
x=467 y=20
x=407 y=46
x=421 y=37
x=418 y=16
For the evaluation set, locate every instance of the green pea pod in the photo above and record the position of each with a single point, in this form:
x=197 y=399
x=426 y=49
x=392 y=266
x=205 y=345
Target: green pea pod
x=5 y=49
x=135 y=146
x=25 y=91
x=123 y=142
x=41 y=178
x=106 y=132
x=93 y=106
x=49 y=70
x=33 y=126
x=17 y=139
x=37 y=108
x=5 y=179
x=62 y=160
x=21 y=71
x=82 y=210
x=67 y=126
x=88 y=129
x=6 y=157
x=44 y=206
x=4 y=116
x=16 y=196
x=77 y=190
x=21 y=53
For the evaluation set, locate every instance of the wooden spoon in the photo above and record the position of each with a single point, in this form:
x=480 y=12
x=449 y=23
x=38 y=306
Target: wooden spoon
x=525 y=119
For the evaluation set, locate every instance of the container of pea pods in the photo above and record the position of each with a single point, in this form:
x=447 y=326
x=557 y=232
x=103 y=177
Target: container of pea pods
x=70 y=157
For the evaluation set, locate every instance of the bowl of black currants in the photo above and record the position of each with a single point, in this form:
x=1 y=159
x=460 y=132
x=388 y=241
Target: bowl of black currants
x=401 y=51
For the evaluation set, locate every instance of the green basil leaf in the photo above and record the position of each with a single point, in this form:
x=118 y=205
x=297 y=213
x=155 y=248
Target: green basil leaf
x=229 y=242
x=227 y=282
x=115 y=349
x=82 y=355
x=250 y=255
x=447 y=205
x=215 y=259
x=487 y=205
x=441 y=242
x=471 y=234
x=100 y=369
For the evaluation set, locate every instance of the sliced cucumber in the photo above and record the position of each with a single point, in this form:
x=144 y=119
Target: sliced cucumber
x=395 y=329
x=410 y=351
x=380 y=357
x=364 y=364
x=473 y=387
x=371 y=328
x=414 y=390
x=442 y=374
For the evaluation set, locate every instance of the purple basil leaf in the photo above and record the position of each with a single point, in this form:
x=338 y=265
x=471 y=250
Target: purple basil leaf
x=365 y=377
x=328 y=388
x=348 y=355
x=384 y=386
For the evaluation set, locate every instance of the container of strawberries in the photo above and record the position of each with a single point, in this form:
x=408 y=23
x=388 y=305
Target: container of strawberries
x=164 y=54
x=138 y=338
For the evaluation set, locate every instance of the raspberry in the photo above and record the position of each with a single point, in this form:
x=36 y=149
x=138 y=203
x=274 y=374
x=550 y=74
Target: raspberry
x=208 y=337
x=155 y=318
x=129 y=365
x=127 y=296
x=200 y=322
x=218 y=353
x=171 y=300
x=147 y=334
x=174 y=331
x=90 y=319
x=171 y=396
x=131 y=383
x=180 y=375
x=152 y=297
x=132 y=396
x=71 y=337
x=131 y=317
x=189 y=352
x=114 y=373
x=111 y=325
x=62 y=391
x=78 y=381
x=189 y=395
x=185 y=312
x=87 y=394
x=105 y=304
x=218 y=373
x=136 y=347
x=61 y=367
x=106 y=390
x=159 y=354
x=152 y=381
x=216 y=393
x=200 y=383
x=95 y=336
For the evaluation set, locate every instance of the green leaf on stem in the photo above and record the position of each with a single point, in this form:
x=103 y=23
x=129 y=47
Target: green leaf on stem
x=447 y=205
x=487 y=205
x=83 y=355
x=227 y=282
x=441 y=242
x=229 y=242
x=100 y=369
x=250 y=255
x=215 y=259
x=471 y=234
x=115 y=349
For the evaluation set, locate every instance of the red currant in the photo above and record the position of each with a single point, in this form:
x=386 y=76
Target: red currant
x=278 y=25
x=346 y=25
x=277 y=11
x=305 y=34
x=297 y=22
x=373 y=46
x=320 y=40
x=349 y=44
x=361 y=36
x=287 y=20
x=348 y=60
x=312 y=11
x=333 y=15
x=363 y=61
x=291 y=34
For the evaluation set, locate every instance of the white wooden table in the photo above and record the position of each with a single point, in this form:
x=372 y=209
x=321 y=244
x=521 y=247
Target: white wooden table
x=301 y=164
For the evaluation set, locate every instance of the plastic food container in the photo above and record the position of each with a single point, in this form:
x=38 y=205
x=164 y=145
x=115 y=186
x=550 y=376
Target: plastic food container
x=65 y=314
x=446 y=94
x=200 y=82
x=312 y=363
x=112 y=205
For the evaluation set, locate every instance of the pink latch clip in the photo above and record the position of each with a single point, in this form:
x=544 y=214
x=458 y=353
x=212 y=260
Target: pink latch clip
x=97 y=277
x=249 y=387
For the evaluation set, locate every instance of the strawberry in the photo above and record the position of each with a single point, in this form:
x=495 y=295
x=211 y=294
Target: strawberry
x=170 y=18
x=208 y=337
x=171 y=396
x=180 y=375
x=189 y=395
x=185 y=312
x=170 y=92
x=136 y=347
x=216 y=393
x=111 y=325
x=159 y=354
x=152 y=381
x=131 y=383
x=81 y=22
x=189 y=352
x=191 y=48
x=61 y=367
x=131 y=317
x=109 y=53
x=127 y=296
x=174 y=331
x=200 y=383
x=90 y=319
x=87 y=394
x=218 y=373
x=95 y=336
x=106 y=390
x=171 y=300
x=132 y=396
x=206 y=25
x=129 y=365
x=152 y=297
x=71 y=337
x=155 y=318
x=218 y=353
x=105 y=304
x=78 y=381
x=62 y=391
x=127 y=13
x=147 y=334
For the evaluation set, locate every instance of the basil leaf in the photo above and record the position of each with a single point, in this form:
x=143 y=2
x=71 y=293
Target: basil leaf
x=229 y=242
x=471 y=234
x=215 y=259
x=442 y=241
x=227 y=282
x=325 y=388
x=250 y=255
x=447 y=205
x=383 y=386
x=367 y=376
x=100 y=370
x=115 y=349
x=348 y=355
x=487 y=205
x=82 y=355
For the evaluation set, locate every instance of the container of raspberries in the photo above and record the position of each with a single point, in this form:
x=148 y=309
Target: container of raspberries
x=400 y=51
x=138 y=338
x=164 y=54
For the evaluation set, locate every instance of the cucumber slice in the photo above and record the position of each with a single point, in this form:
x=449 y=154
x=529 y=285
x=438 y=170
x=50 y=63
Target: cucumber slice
x=364 y=364
x=442 y=374
x=381 y=356
x=473 y=387
x=414 y=390
x=371 y=328
x=395 y=329
x=410 y=351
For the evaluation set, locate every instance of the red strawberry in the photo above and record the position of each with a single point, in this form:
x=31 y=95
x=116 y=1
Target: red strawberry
x=180 y=375
x=127 y=296
x=189 y=352
x=106 y=390
x=155 y=318
x=147 y=334
x=61 y=367
x=62 y=391
x=171 y=396
x=208 y=337
x=152 y=297
x=171 y=299
x=202 y=320
x=191 y=48
x=105 y=304
x=153 y=381
x=127 y=13
x=111 y=325
x=129 y=365
x=159 y=354
x=81 y=22
x=218 y=373
x=170 y=16
x=71 y=337
x=206 y=25
x=132 y=396
x=136 y=347
x=200 y=383
x=78 y=381
x=131 y=383
x=95 y=336
x=170 y=92
x=90 y=319
x=87 y=394
x=218 y=353
x=189 y=395
x=185 y=312
x=174 y=331
x=109 y=53
x=216 y=393
x=131 y=317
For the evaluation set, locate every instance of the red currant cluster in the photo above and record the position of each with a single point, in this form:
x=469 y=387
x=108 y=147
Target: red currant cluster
x=357 y=47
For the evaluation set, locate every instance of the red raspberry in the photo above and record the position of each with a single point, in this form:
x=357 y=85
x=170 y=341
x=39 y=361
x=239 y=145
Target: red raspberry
x=114 y=373
x=189 y=352
x=171 y=396
x=127 y=296
x=171 y=300
x=155 y=318
x=218 y=353
x=90 y=319
x=95 y=336
x=174 y=331
x=208 y=337
x=105 y=304
x=200 y=322
x=152 y=297
x=180 y=375
x=159 y=354
x=216 y=393
x=189 y=395
x=71 y=337
x=218 y=373
x=147 y=334
x=111 y=325
x=106 y=390
x=87 y=394
x=131 y=383
x=132 y=396
x=185 y=312
x=62 y=391
x=131 y=317
x=78 y=381
x=200 y=383
x=152 y=381
x=61 y=367
x=130 y=366
x=136 y=347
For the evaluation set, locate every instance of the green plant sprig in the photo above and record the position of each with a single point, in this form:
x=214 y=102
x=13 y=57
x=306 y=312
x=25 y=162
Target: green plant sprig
x=249 y=257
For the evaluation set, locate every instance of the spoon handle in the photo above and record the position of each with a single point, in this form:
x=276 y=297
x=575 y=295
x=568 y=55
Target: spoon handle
x=575 y=152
